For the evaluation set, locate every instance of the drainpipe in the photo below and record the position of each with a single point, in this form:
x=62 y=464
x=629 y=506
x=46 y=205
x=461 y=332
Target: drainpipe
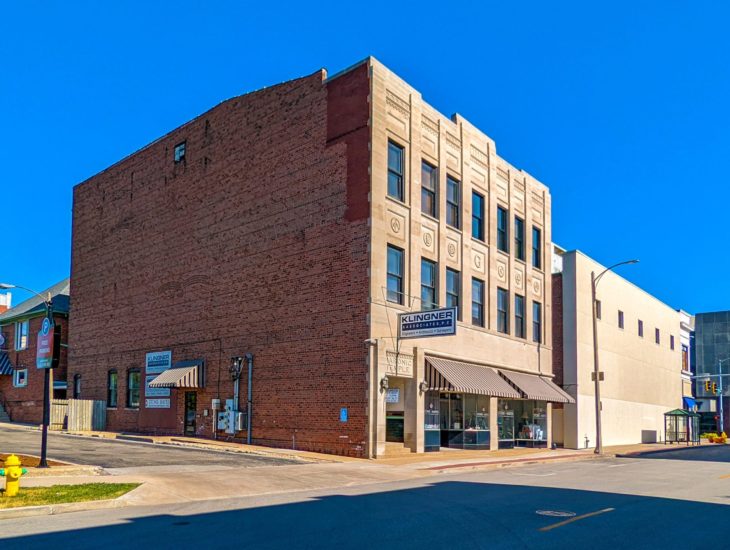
x=249 y=411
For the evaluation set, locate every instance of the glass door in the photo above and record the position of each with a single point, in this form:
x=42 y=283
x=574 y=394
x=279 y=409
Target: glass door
x=191 y=404
x=506 y=427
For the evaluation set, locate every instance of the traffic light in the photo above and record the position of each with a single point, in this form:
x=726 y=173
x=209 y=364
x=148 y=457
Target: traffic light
x=714 y=388
x=708 y=386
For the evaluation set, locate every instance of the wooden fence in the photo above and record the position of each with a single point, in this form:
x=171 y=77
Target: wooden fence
x=78 y=415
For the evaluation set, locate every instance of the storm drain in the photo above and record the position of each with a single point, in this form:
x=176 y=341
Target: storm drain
x=555 y=513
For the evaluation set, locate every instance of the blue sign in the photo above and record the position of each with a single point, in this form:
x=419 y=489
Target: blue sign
x=424 y=324
x=343 y=414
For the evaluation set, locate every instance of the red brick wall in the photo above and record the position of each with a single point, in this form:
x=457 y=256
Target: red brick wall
x=26 y=404
x=558 y=328
x=257 y=243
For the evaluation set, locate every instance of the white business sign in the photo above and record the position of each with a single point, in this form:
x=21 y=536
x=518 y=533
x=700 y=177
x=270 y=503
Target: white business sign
x=156 y=363
x=424 y=324
x=392 y=395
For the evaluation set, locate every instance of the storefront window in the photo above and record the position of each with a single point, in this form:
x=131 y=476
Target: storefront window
x=476 y=409
x=431 y=415
x=531 y=418
x=456 y=411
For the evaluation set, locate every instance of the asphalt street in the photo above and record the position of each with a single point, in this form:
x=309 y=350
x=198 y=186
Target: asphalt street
x=605 y=503
x=123 y=454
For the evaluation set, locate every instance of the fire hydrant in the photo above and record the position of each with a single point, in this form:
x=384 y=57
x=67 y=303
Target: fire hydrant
x=12 y=473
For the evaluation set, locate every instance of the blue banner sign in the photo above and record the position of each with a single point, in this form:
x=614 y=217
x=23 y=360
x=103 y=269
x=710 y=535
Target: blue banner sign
x=424 y=324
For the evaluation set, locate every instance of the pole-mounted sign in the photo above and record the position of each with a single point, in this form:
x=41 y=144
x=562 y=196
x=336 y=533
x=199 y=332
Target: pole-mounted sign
x=44 y=347
x=424 y=324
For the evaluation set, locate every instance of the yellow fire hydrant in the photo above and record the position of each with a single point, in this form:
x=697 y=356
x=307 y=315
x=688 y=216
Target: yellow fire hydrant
x=12 y=473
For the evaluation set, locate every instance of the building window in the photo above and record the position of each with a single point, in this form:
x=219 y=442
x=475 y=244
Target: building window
x=429 y=287
x=20 y=378
x=180 y=152
x=598 y=309
x=519 y=316
x=536 y=248
x=671 y=342
x=620 y=319
x=111 y=389
x=502 y=230
x=502 y=311
x=477 y=302
x=477 y=216
x=452 y=202
x=657 y=338
x=429 y=185
x=641 y=328
x=21 y=335
x=537 y=322
x=520 y=238
x=395 y=275
x=453 y=290
x=395 y=171
x=77 y=386
x=685 y=358
x=133 y=384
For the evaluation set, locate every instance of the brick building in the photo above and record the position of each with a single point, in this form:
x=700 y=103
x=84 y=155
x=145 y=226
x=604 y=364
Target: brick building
x=295 y=223
x=21 y=383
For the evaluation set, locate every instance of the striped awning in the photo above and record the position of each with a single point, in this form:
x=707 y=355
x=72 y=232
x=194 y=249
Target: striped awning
x=447 y=375
x=537 y=387
x=6 y=367
x=187 y=374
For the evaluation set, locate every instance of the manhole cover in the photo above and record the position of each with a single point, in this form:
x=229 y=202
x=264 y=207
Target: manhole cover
x=555 y=513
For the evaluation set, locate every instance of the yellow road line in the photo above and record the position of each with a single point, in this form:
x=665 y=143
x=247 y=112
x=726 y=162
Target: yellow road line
x=576 y=518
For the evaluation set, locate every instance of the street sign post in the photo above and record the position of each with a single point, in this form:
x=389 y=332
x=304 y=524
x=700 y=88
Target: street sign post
x=44 y=347
x=426 y=324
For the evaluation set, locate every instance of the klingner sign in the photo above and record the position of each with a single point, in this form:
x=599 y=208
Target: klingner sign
x=437 y=322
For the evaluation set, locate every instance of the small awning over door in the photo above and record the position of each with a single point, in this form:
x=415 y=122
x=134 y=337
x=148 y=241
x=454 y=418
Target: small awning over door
x=446 y=375
x=6 y=367
x=186 y=374
x=539 y=388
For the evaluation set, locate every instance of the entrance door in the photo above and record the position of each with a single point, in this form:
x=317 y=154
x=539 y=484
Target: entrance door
x=191 y=404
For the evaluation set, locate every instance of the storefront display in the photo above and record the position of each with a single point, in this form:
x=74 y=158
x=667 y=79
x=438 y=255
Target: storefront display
x=462 y=421
x=531 y=419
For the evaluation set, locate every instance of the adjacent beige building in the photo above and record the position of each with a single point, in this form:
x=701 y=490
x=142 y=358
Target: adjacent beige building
x=454 y=224
x=640 y=357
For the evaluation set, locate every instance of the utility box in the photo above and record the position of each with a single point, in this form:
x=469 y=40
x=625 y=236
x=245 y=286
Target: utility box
x=224 y=421
x=240 y=421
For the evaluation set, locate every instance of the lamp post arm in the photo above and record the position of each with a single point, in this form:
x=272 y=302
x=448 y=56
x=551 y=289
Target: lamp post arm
x=614 y=266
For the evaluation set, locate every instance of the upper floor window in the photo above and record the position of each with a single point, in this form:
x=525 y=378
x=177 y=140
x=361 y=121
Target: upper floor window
x=395 y=275
x=21 y=335
x=429 y=186
x=477 y=216
x=77 y=386
x=671 y=342
x=520 y=238
x=537 y=322
x=502 y=230
x=641 y=328
x=519 y=316
x=111 y=388
x=477 y=302
x=502 y=311
x=429 y=287
x=20 y=378
x=133 y=385
x=620 y=319
x=179 y=152
x=685 y=358
x=657 y=337
x=453 y=290
x=395 y=171
x=536 y=248
x=452 y=202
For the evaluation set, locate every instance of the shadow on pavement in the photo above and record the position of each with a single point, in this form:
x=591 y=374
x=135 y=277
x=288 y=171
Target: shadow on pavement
x=442 y=515
x=704 y=453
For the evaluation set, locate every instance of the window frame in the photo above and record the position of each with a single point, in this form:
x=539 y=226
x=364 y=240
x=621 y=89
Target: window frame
x=453 y=208
x=536 y=247
x=537 y=322
x=671 y=342
x=477 y=222
x=520 y=331
x=180 y=151
x=451 y=296
x=399 y=277
x=503 y=314
x=620 y=319
x=519 y=238
x=640 y=329
x=431 y=193
x=17 y=374
x=433 y=288
x=22 y=335
x=112 y=373
x=479 y=284
x=657 y=336
x=502 y=229
x=400 y=175
x=129 y=395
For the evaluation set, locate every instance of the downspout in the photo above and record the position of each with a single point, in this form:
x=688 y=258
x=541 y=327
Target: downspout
x=249 y=404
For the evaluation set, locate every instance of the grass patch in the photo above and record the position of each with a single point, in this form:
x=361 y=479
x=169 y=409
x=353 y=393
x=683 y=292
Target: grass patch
x=59 y=494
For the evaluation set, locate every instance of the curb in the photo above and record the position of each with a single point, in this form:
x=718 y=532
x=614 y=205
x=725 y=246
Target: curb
x=508 y=463
x=639 y=454
x=55 y=509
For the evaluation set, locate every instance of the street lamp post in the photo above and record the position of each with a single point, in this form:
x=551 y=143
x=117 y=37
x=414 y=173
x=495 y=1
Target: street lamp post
x=47 y=301
x=596 y=372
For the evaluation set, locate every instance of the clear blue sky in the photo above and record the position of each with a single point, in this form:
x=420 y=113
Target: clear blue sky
x=623 y=110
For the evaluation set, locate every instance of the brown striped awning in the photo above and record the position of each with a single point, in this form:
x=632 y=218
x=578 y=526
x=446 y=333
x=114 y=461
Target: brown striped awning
x=537 y=387
x=447 y=375
x=187 y=374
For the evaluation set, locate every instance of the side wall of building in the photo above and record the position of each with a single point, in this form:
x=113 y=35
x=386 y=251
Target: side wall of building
x=256 y=243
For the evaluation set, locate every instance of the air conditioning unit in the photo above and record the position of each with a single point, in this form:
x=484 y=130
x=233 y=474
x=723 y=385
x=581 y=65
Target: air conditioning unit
x=240 y=421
